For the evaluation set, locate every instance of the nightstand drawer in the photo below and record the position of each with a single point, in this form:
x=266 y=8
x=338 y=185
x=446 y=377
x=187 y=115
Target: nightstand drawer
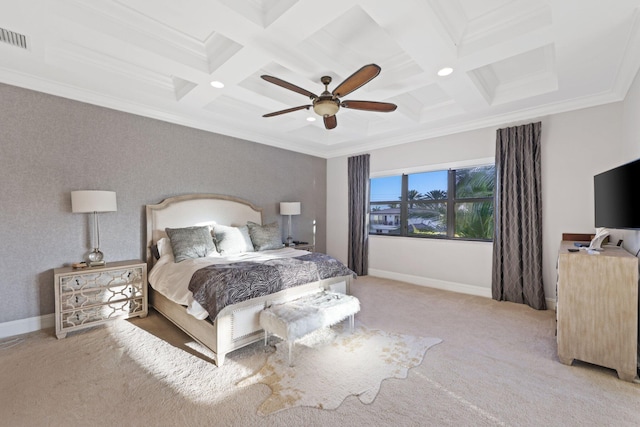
x=100 y=279
x=94 y=296
x=91 y=315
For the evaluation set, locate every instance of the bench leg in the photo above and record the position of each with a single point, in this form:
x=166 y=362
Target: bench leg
x=351 y=322
x=266 y=335
x=291 y=344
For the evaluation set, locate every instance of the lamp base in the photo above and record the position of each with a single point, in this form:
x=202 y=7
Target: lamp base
x=95 y=256
x=290 y=241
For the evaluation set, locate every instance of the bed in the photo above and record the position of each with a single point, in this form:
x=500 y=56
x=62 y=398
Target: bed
x=235 y=325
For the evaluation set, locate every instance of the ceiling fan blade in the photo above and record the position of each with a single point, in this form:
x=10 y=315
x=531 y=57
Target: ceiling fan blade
x=287 y=85
x=330 y=122
x=356 y=80
x=288 y=110
x=384 y=107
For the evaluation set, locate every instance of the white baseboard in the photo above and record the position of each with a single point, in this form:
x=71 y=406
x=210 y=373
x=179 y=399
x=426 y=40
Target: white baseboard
x=551 y=304
x=23 y=326
x=444 y=285
x=462 y=288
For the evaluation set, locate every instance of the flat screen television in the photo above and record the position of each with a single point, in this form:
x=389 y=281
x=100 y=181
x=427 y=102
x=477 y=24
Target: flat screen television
x=617 y=192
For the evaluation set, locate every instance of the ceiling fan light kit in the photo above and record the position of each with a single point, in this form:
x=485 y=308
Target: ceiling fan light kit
x=326 y=107
x=328 y=103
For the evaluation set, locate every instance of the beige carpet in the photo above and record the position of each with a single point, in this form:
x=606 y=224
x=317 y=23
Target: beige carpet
x=331 y=364
x=496 y=366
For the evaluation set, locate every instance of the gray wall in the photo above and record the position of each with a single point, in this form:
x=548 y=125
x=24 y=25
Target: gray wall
x=50 y=146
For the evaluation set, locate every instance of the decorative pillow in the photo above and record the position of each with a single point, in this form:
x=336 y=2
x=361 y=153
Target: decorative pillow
x=266 y=236
x=190 y=242
x=232 y=240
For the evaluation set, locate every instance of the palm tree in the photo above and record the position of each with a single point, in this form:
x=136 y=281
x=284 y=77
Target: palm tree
x=422 y=206
x=475 y=219
x=475 y=182
x=413 y=196
x=436 y=195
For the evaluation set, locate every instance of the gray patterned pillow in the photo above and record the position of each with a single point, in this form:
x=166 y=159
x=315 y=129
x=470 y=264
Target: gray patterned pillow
x=266 y=236
x=190 y=242
x=232 y=240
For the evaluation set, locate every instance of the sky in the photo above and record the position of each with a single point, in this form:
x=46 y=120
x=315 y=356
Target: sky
x=388 y=188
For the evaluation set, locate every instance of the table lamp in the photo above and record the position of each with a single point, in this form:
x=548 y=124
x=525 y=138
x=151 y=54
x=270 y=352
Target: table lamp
x=289 y=208
x=92 y=201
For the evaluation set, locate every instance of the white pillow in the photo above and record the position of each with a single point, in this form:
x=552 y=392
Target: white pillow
x=164 y=247
x=232 y=240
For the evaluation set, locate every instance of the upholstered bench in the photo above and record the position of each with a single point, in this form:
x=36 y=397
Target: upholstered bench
x=295 y=319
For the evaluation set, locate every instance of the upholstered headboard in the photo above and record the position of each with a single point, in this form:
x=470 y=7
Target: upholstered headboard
x=196 y=209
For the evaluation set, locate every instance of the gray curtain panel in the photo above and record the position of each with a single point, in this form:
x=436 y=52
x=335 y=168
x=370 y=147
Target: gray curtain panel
x=517 y=241
x=358 y=172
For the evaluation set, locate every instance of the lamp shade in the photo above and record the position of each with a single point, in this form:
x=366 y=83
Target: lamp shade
x=289 y=208
x=93 y=201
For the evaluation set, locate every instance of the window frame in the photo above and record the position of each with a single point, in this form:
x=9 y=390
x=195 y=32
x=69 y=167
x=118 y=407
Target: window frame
x=451 y=202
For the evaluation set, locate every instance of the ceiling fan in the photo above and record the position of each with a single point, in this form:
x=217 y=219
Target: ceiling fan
x=328 y=103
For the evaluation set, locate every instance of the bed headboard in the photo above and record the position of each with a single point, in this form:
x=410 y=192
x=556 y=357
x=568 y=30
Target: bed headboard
x=196 y=209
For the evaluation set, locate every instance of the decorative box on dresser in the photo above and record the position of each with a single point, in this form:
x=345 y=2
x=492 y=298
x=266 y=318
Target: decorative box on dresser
x=94 y=295
x=597 y=308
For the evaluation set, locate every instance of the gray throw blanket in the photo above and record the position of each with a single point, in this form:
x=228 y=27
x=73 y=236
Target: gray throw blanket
x=216 y=286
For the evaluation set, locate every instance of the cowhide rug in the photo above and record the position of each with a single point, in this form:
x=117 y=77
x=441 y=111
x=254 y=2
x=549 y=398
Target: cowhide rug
x=332 y=364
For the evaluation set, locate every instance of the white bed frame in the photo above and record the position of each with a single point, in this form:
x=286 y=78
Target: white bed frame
x=237 y=325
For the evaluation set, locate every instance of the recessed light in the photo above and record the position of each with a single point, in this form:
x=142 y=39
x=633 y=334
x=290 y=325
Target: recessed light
x=445 y=71
x=217 y=84
x=311 y=119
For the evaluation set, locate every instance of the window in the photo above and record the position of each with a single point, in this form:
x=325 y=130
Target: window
x=453 y=204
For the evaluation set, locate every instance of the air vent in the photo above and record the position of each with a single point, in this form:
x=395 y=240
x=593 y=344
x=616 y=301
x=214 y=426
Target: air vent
x=13 y=38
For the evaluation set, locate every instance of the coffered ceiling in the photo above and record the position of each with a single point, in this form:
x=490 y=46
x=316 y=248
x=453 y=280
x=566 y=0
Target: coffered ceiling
x=512 y=59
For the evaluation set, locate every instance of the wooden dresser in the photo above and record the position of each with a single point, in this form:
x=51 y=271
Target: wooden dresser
x=597 y=308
